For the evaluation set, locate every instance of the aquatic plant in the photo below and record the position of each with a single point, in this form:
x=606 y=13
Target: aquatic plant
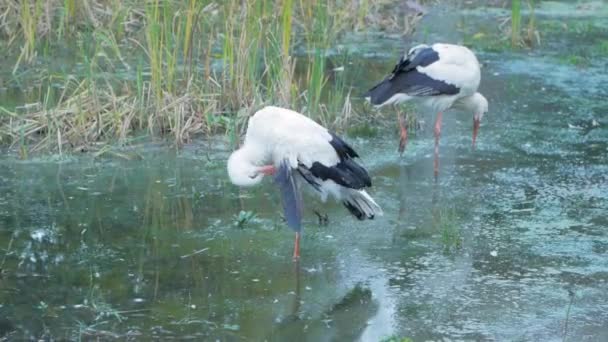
x=572 y=296
x=243 y=218
x=448 y=225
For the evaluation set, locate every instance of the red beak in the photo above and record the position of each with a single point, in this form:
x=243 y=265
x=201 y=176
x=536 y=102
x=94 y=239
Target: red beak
x=268 y=170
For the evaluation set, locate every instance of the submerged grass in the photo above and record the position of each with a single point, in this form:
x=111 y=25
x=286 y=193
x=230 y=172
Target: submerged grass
x=448 y=223
x=169 y=68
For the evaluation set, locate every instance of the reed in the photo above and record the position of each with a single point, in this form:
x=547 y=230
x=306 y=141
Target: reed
x=28 y=21
x=515 y=22
x=532 y=33
x=170 y=68
x=155 y=48
x=362 y=11
x=316 y=80
x=287 y=11
x=523 y=35
x=191 y=11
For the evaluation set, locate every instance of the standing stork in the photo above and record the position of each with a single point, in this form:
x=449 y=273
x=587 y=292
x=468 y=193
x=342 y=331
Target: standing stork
x=438 y=77
x=294 y=148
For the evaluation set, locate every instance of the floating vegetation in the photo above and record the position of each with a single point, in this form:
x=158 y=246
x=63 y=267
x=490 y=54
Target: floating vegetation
x=243 y=218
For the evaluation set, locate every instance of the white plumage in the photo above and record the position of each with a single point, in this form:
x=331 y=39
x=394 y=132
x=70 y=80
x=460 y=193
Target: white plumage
x=438 y=77
x=458 y=66
x=287 y=135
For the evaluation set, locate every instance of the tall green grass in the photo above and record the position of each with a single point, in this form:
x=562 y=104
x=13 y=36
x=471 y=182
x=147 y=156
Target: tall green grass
x=155 y=40
x=29 y=11
x=533 y=35
x=287 y=13
x=515 y=22
x=173 y=68
x=530 y=36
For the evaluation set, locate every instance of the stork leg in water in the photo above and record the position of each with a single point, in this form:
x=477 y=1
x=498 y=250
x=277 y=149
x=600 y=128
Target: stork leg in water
x=271 y=170
x=323 y=218
x=296 y=248
x=402 y=133
x=475 y=130
x=437 y=135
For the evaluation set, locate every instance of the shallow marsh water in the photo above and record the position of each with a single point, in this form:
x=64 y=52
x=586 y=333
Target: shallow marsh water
x=511 y=243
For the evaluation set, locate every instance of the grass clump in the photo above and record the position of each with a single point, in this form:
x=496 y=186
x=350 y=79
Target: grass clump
x=515 y=30
x=243 y=218
x=447 y=223
x=530 y=35
x=108 y=70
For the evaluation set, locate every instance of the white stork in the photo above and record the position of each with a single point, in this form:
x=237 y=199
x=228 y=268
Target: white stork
x=294 y=148
x=438 y=77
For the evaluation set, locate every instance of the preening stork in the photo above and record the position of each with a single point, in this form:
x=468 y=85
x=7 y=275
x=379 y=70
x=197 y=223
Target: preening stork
x=438 y=77
x=298 y=151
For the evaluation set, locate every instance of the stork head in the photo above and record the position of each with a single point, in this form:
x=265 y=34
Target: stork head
x=475 y=103
x=244 y=168
x=480 y=105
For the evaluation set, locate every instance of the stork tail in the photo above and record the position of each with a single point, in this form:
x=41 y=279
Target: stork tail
x=380 y=93
x=361 y=205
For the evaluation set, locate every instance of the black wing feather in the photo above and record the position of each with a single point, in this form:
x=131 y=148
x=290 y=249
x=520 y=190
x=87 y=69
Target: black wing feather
x=346 y=172
x=424 y=56
x=406 y=79
x=342 y=148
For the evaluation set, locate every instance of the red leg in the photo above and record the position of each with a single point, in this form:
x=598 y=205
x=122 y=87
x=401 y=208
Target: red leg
x=403 y=134
x=475 y=130
x=437 y=135
x=296 y=248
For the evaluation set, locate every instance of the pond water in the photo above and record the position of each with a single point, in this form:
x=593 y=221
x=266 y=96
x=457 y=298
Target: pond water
x=510 y=243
